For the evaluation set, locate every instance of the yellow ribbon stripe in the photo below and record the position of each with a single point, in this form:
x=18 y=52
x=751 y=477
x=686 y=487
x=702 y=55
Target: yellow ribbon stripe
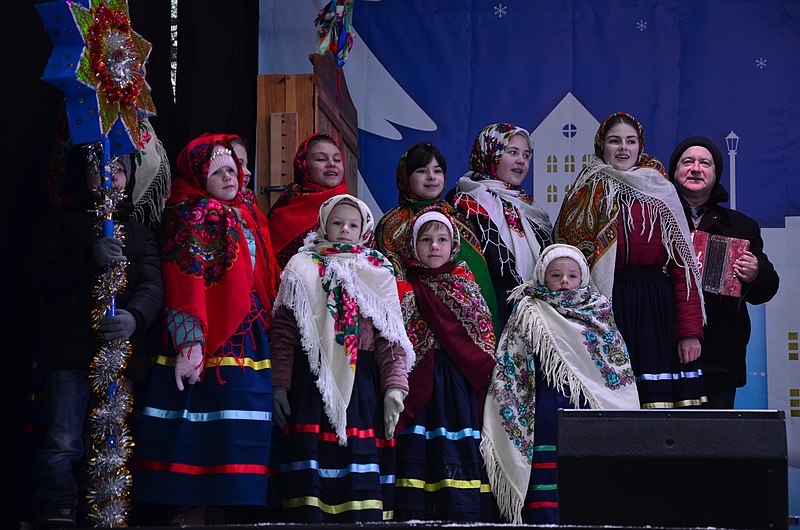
x=436 y=486
x=224 y=361
x=299 y=502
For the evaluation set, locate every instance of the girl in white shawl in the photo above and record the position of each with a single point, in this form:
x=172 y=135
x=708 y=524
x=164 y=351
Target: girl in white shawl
x=340 y=355
x=560 y=349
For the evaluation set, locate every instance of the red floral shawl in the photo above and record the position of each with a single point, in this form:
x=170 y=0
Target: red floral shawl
x=206 y=262
x=447 y=304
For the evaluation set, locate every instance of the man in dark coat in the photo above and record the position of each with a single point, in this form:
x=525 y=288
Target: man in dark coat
x=66 y=259
x=695 y=168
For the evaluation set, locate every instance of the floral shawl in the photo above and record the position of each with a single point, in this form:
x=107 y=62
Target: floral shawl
x=393 y=229
x=328 y=286
x=153 y=177
x=444 y=304
x=207 y=267
x=517 y=225
x=588 y=215
x=295 y=212
x=571 y=338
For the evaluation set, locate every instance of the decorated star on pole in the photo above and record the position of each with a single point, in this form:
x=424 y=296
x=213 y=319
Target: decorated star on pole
x=97 y=61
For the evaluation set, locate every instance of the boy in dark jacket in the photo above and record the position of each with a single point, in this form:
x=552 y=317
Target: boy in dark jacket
x=67 y=258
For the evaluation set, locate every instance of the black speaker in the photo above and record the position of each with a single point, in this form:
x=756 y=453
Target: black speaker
x=674 y=468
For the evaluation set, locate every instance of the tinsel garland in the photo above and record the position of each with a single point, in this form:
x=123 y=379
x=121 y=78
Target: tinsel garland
x=113 y=55
x=110 y=67
x=109 y=479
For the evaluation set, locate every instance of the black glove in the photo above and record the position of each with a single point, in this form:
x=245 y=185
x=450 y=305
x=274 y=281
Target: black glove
x=119 y=327
x=280 y=406
x=107 y=250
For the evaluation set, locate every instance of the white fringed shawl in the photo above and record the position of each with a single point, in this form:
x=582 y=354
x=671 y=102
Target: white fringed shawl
x=367 y=277
x=620 y=189
x=571 y=338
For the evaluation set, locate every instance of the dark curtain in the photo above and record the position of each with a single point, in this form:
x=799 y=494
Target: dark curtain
x=29 y=110
x=216 y=92
x=217 y=68
x=151 y=19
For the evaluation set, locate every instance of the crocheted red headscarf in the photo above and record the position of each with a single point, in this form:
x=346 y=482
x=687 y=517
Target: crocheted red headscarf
x=294 y=214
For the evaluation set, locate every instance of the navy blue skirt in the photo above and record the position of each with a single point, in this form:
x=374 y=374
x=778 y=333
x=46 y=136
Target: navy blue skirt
x=210 y=444
x=644 y=309
x=541 y=500
x=440 y=473
x=322 y=481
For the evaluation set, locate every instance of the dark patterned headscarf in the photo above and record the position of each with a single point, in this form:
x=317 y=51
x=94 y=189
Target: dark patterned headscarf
x=642 y=158
x=394 y=227
x=403 y=172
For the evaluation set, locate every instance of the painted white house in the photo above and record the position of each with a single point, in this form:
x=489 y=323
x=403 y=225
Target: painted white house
x=782 y=321
x=561 y=143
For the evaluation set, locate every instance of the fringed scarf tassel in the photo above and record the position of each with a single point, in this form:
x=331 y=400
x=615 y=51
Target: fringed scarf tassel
x=294 y=296
x=256 y=316
x=673 y=239
x=509 y=501
x=555 y=371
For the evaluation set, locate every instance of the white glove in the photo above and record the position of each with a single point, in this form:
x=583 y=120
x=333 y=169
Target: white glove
x=392 y=407
x=189 y=365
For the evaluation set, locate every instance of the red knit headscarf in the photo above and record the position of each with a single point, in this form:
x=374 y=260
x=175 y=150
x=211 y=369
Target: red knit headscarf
x=294 y=214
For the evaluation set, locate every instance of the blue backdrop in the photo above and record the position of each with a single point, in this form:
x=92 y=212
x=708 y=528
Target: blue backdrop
x=441 y=70
x=681 y=67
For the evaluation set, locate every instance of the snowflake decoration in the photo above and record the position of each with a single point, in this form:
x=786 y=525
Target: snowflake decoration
x=500 y=10
x=641 y=25
x=761 y=63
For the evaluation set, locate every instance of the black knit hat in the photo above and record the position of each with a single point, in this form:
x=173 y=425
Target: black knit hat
x=702 y=141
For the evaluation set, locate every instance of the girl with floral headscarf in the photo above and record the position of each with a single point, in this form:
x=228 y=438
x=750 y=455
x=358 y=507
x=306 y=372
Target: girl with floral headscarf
x=560 y=349
x=627 y=219
x=340 y=353
x=318 y=176
x=421 y=178
x=205 y=434
x=440 y=472
x=511 y=227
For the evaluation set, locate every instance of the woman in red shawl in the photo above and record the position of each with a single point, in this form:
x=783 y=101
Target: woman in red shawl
x=318 y=176
x=205 y=437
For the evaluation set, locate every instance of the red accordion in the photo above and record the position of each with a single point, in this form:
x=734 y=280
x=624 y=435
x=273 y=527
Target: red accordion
x=716 y=255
